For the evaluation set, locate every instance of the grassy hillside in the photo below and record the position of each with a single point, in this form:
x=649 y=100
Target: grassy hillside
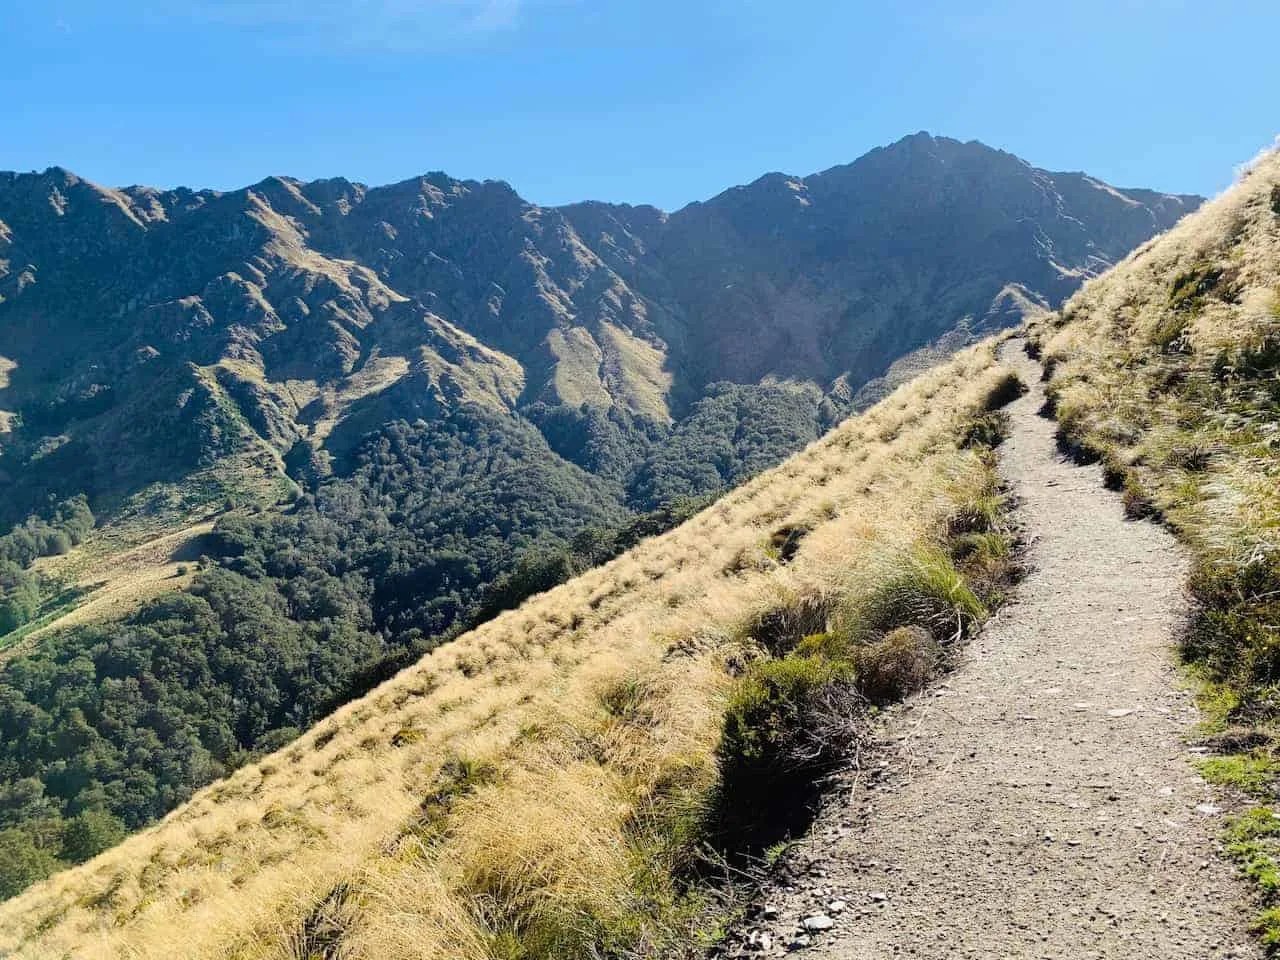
x=551 y=783
x=1168 y=370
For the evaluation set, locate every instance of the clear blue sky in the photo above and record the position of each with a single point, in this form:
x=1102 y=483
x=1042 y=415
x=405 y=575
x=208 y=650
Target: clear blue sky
x=657 y=101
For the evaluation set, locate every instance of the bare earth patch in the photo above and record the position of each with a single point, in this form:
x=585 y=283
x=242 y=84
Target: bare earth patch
x=1043 y=802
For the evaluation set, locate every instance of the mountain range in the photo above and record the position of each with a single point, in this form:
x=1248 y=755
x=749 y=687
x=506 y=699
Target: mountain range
x=165 y=351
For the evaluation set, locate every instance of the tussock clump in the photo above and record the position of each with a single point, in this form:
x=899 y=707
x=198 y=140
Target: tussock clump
x=925 y=590
x=983 y=514
x=321 y=935
x=1006 y=390
x=989 y=425
x=901 y=663
x=986 y=430
x=1138 y=504
x=782 y=625
x=785 y=541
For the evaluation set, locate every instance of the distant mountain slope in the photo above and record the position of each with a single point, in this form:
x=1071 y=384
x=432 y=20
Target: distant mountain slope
x=223 y=343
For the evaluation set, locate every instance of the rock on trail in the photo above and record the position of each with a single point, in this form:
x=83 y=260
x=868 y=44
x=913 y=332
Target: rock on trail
x=1042 y=802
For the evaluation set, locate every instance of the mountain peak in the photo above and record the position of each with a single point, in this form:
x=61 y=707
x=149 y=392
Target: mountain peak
x=593 y=310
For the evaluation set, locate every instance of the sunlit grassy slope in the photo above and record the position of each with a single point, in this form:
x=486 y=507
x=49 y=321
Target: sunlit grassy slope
x=1168 y=370
x=533 y=788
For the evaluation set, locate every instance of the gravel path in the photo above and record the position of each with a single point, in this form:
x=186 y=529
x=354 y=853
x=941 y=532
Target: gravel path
x=1041 y=803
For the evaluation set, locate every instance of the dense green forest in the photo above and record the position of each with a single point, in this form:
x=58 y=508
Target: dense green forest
x=734 y=432
x=66 y=525
x=438 y=526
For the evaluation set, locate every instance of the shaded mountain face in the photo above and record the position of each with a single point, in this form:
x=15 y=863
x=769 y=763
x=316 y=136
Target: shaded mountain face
x=160 y=350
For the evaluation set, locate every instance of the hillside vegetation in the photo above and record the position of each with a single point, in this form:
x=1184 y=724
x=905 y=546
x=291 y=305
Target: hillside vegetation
x=1167 y=369
x=561 y=781
x=167 y=351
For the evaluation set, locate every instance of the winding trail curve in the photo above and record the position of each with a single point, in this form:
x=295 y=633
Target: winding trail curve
x=1041 y=803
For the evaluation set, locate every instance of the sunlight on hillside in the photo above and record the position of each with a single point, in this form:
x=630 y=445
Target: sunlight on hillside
x=527 y=784
x=1167 y=370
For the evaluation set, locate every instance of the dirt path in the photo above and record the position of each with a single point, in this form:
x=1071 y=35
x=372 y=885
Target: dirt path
x=1041 y=803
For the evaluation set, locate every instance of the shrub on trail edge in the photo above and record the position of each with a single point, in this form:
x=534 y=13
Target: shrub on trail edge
x=798 y=714
x=900 y=664
x=789 y=721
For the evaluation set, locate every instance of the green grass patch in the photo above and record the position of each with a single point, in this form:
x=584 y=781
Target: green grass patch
x=1254 y=774
x=1251 y=841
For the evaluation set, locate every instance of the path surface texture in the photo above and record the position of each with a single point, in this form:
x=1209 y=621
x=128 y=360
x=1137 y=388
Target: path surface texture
x=1043 y=802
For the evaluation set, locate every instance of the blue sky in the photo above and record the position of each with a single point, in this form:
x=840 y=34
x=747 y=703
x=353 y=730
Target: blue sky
x=661 y=101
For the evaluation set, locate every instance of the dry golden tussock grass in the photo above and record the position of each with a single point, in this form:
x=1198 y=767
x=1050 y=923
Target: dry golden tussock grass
x=1168 y=370
x=514 y=792
x=1145 y=364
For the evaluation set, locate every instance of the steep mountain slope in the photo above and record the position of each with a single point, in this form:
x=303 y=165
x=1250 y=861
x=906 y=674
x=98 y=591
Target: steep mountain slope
x=227 y=342
x=833 y=276
x=463 y=399
x=542 y=786
x=1167 y=370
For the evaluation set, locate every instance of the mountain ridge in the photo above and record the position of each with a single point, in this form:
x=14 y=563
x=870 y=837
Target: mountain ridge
x=337 y=304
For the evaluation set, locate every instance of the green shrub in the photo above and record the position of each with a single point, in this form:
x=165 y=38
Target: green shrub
x=87 y=834
x=22 y=863
x=19 y=597
x=1235 y=632
x=788 y=721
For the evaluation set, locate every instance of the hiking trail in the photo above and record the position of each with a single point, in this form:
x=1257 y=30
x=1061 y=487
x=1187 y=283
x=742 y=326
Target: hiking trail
x=1041 y=802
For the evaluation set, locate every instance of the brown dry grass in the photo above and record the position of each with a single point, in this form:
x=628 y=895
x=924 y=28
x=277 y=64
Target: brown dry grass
x=1168 y=370
x=514 y=784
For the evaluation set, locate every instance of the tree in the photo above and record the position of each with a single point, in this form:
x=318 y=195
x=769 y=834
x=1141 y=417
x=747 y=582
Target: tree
x=86 y=835
x=22 y=863
x=19 y=597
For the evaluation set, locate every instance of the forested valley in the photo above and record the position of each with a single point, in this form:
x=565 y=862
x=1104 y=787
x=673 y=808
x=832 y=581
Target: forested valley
x=438 y=526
